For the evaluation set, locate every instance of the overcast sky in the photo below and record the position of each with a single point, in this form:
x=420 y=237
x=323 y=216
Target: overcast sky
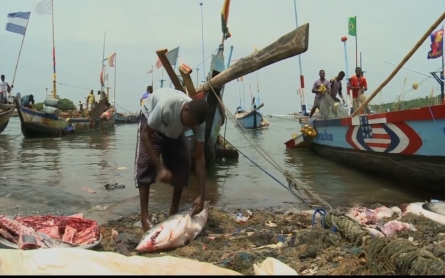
x=387 y=30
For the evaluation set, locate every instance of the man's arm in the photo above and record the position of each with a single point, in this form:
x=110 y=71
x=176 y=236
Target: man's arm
x=154 y=121
x=365 y=84
x=339 y=91
x=314 y=88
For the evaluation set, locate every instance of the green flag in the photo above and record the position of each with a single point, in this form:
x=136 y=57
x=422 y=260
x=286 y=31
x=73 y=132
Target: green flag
x=352 y=26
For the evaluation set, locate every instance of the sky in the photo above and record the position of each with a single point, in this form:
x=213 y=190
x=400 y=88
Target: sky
x=135 y=29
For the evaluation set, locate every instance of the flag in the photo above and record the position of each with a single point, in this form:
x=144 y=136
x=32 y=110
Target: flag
x=225 y=19
x=104 y=60
x=43 y=7
x=106 y=77
x=150 y=71
x=436 y=44
x=352 y=26
x=110 y=60
x=17 y=22
x=172 y=57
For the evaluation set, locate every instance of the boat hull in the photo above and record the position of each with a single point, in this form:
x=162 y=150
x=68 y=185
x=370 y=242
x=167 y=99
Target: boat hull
x=251 y=120
x=125 y=119
x=406 y=146
x=36 y=124
x=4 y=119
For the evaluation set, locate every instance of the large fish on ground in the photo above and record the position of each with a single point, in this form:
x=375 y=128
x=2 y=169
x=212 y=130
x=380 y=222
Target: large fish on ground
x=177 y=230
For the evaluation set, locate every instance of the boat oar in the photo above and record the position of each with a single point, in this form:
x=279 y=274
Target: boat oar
x=394 y=72
x=289 y=45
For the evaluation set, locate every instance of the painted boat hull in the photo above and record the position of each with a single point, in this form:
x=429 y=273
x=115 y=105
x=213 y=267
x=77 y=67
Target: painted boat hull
x=36 y=124
x=250 y=121
x=406 y=146
x=4 y=119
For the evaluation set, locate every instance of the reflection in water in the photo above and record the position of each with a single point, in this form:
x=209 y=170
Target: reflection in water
x=58 y=175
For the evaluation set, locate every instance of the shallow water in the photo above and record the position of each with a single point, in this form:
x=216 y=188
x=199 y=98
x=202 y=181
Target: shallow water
x=58 y=175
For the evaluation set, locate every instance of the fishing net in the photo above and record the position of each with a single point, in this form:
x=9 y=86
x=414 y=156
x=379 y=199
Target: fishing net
x=331 y=109
x=386 y=256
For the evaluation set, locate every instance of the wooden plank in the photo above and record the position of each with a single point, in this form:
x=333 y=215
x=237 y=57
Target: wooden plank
x=169 y=69
x=289 y=45
x=6 y=106
x=185 y=72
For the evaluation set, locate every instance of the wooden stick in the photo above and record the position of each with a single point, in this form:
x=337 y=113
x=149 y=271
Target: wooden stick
x=394 y=72
x=169 y=69
x=185 y=72
x=7 y=106
x=261 y=105
x=289 y=45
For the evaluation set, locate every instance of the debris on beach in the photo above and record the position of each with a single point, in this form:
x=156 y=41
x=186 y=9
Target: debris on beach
x=111 y=187
x=33 y=232
x=307 y=242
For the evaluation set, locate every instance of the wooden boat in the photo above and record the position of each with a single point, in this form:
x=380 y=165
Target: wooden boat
x=6 y=112
x=252 y=119
x=120 y=118
x=38 y=124
x=405 y=146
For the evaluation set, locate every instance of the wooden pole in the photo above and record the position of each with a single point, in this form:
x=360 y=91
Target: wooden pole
x=289 y=45
x=114 y=89
x=169 y=69
x=54 y=53
x=20 y=51
x=405 y=59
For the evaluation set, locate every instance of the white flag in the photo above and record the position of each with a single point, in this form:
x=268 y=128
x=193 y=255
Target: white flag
x=43 y=7
x=106 y=77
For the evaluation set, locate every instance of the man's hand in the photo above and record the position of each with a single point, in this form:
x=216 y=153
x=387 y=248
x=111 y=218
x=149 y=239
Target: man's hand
x=198 y=205
x=343 y=100
x=164 y=175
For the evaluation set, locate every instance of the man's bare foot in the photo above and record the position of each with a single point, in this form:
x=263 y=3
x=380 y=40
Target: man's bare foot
x=146 y=224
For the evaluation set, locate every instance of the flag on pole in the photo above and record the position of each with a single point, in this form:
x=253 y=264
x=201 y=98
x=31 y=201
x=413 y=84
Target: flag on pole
x=150 y=71
x=106 y=77
x=436 y=44
x=225 y=19
x=352 y=26
x=110 y=60
x=17 y=22
x=101 y=77
x=172 y=57
x=43 y=7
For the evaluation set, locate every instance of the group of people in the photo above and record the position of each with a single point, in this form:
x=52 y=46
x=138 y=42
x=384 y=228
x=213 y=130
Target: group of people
x=91 y=100
x=357 y=84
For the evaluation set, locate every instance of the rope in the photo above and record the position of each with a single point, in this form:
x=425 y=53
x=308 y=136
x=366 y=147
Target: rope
x=322 y=212
x=266 y=156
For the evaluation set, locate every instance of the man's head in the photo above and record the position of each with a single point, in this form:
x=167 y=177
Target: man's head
x=31 y=98
x=340 y=76
x=321 y=73
x=194 y=113
x=98 y=92
x=91 y=92
x=150 y=89
x=358 y=71
x=2 y=77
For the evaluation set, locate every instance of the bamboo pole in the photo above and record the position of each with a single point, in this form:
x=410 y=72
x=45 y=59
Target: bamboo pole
x=407 y=57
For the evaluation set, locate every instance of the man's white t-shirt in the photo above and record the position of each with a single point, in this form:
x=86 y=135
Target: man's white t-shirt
x=4 y=86
x=163 y=113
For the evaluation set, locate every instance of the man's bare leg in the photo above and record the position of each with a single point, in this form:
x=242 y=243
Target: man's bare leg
x=144 y=194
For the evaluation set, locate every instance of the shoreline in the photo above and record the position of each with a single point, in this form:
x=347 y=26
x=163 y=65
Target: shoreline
x=285 y=234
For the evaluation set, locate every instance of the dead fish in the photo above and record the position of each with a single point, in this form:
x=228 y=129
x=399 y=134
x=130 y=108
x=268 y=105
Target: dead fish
x=435 y=207
x=417 y=208
x=177 y=230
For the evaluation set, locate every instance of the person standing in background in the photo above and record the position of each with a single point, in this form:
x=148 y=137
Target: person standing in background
x=146 y=95
x=358 y=85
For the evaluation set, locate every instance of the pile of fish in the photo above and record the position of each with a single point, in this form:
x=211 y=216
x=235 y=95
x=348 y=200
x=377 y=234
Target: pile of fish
x=373 y=219
x=48 y=231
